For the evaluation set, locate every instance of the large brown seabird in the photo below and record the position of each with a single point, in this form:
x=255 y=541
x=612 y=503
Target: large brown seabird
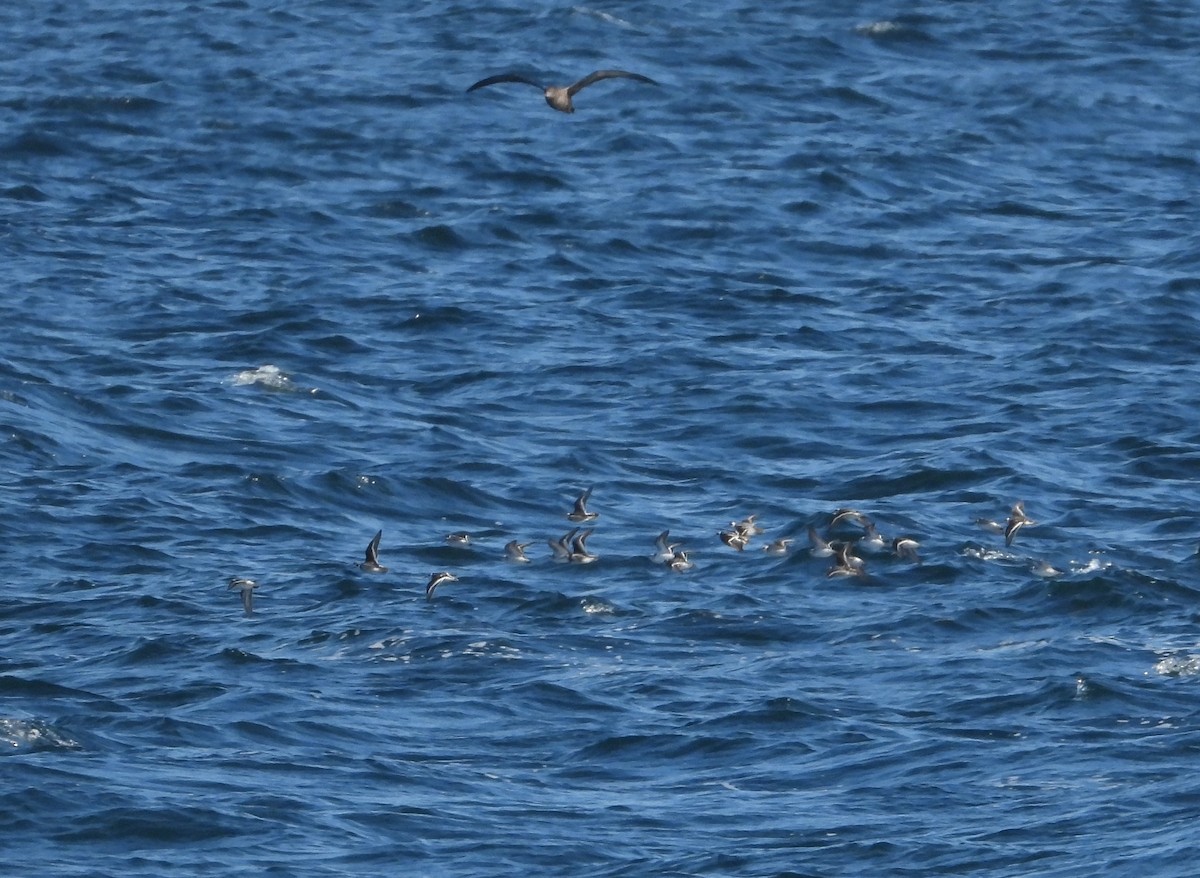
x=559 y=96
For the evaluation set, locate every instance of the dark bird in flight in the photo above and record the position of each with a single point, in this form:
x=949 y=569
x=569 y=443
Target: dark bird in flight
x=559 y=96
x=371 y=562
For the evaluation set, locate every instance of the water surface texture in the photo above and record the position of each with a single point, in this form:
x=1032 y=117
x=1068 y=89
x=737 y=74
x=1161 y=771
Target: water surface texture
x=273 y=281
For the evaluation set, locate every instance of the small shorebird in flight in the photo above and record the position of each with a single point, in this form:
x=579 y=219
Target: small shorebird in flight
x=846 y=564
x=851 y=515
x=735 y=539
x=437 y=579
x=559 y=96
x=680 y=562
x=515 y=551
x=906 y=547
x=778 y=547
x=579 y=550
x=580 y=512
x=371 y=562
x=872 y=540
x=820 y=547
x=562 y=546
x=246 y=587
x=747 y=527
x=664 y=550
x=1017 y=519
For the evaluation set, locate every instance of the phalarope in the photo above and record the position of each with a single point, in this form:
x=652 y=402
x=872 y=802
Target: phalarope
x=579 y=552
x=580 y=512
x=819 y=547
x=778 y=547
x=664 y=550
x=846 y=564
x=246 y=587
x=562 y=546
x=515 y=551
x=371 y=562
x=437 y=579
x=848 y=515
x=733 y=538
x=680 y=562
x=906 y=548
x=1017 y=519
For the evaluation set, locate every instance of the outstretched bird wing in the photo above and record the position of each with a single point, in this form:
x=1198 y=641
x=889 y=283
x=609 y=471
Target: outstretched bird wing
x=505 y=77
x=581 y=503
x=598 y=75
x=373 y=549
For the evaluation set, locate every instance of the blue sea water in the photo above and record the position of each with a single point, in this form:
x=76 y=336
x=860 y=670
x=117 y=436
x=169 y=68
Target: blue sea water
x=274 y=281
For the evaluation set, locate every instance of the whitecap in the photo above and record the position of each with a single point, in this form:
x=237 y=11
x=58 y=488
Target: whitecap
x=267 y=376
x=489 y=648
x=595 y=606
x=1093 y=565
x=878 y=28
x=1178 y=666
x=983 y=553
x=20 y=734
x=606 y=17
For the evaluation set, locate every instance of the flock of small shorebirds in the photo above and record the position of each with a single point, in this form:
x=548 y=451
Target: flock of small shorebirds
x=841 y=542
x=572 y=548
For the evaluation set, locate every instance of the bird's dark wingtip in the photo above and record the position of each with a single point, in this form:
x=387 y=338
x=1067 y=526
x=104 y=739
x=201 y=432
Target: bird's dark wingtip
x=503 y=77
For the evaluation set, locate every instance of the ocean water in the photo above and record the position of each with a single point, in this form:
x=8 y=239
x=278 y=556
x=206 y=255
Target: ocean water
x=274 y=282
